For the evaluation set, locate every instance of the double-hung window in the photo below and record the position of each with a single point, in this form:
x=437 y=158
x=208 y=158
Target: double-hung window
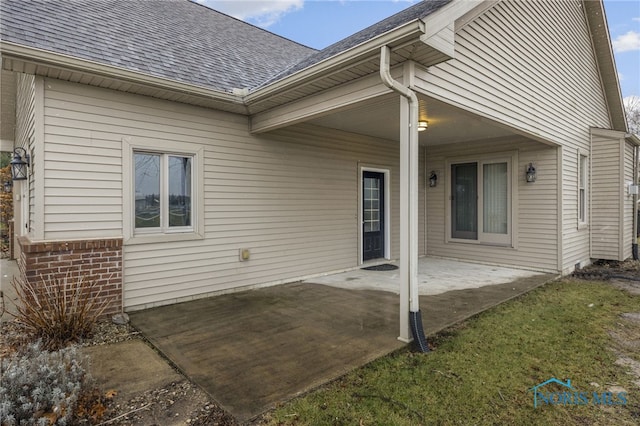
x=583 y=173
x=480 y=201
x=164 y=191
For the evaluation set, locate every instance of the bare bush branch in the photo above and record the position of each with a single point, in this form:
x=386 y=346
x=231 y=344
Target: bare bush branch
x=59 y=310
x=632 y=111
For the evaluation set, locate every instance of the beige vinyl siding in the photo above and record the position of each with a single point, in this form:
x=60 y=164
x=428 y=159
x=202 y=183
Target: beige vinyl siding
x=627 y=200
x=606 y=190
x=290 y=197
x=575 y=237
x=535 y=231
x=520 y=65
x=611 y=205
x=26 y=137
x=291 y=200
x=530 y=65
x=83 y=171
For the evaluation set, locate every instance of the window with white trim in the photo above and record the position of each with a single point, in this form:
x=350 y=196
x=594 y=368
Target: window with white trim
x=480 y=201
x=163 y=191
x=583 y=173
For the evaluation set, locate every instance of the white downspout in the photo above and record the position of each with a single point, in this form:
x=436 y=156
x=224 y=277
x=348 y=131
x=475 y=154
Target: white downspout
x=409 y=301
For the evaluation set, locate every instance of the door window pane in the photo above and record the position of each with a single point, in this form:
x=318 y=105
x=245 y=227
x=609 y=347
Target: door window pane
x=495 y=209
x=464 y=201
x=147 y=190
x=371 y=205
x=179 y=191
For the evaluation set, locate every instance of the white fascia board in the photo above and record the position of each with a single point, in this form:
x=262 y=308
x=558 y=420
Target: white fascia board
x=609 y=133
x=434 y=27
x=370 y=48
x=634 y=139
x=443 y=41
x=616 y=134
x=450 y=13
x=605 y=60
x=441 y=26
x=58 y=60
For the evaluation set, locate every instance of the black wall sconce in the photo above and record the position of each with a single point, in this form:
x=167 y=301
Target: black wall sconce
x=8 y=184
x=433 y=180
x=19 y=164
x=530 y=175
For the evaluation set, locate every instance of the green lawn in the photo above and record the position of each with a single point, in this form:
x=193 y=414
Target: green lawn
x=480 y=371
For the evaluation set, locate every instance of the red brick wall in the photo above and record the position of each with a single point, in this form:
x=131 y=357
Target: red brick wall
x=99 y=260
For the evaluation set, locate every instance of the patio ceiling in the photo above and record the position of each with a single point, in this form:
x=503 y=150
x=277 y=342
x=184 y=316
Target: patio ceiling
x=381 y=118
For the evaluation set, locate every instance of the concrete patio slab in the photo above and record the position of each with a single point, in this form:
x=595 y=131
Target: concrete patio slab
x=435 y=276
x=130 y=368
x=254 y=349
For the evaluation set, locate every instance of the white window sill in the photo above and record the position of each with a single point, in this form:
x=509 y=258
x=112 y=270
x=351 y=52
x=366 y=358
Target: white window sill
x=163 y=238
x=480 y=243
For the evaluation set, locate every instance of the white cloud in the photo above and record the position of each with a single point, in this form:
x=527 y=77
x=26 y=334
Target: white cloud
x=627 y=42
x=262 y=13
x=620 y=77
x=636 y=19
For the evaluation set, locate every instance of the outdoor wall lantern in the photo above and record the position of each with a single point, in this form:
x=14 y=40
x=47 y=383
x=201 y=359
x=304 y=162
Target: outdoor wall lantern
x=422 y=126
x=433 y=179
x=19 y=164
x=531 y=173
x=8 y=184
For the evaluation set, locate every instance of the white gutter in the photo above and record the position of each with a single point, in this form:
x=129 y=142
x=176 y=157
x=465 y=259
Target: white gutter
x=409 y=32
x=409 y=298
x=45 y=57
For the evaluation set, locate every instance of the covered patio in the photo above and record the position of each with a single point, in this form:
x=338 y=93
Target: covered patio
x=252 y=349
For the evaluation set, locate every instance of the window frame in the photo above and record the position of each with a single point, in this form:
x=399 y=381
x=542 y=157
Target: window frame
x=165 y=227
x=165 y=149
x=485 y=238
x=582 y=188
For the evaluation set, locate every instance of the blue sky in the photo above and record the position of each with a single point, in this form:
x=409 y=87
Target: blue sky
x=319 y=23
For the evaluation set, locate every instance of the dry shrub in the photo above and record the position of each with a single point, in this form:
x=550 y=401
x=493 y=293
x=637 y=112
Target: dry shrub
x=38 y=387
x=6 y=211
x=59 y=310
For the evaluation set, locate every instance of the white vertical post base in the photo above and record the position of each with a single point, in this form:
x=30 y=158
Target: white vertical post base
x=405 y=245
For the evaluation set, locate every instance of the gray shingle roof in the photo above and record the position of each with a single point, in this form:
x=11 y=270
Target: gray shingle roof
x=175 y=39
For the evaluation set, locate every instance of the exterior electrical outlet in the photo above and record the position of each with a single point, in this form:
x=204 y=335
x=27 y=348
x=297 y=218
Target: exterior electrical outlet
x=245 y=254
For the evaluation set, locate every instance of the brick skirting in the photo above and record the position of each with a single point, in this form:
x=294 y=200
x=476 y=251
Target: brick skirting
x=99 y=260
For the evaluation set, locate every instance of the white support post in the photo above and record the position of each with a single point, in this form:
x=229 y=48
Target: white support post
x=413 y=206
x=409 y=299
x=405 y=233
